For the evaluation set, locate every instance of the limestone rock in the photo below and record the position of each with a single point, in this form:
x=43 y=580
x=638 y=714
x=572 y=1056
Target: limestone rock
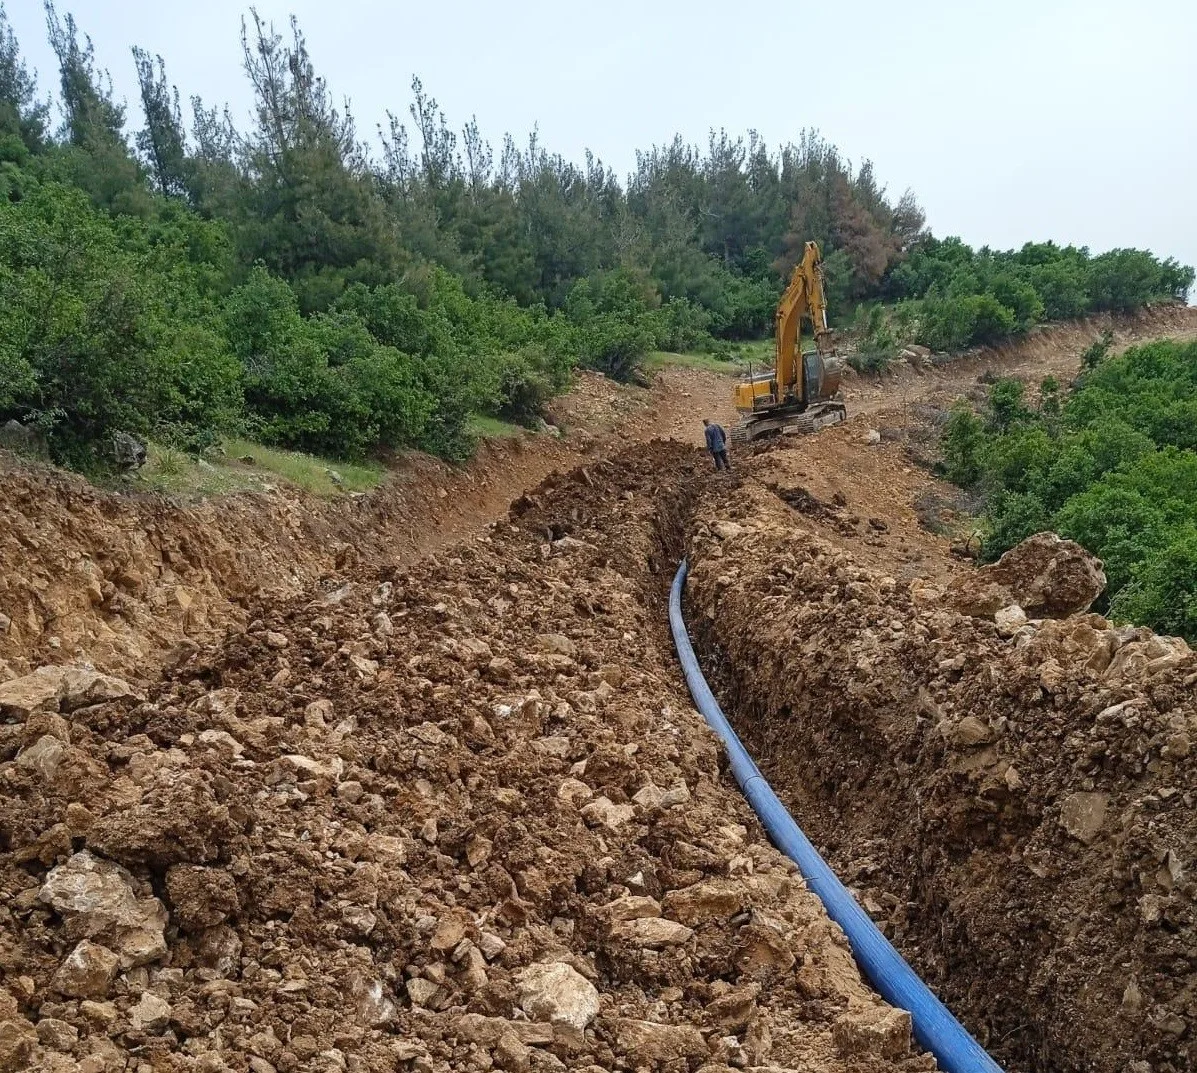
x=1009 y=620
x=966 y=733
x=374 y=1007
x=57 y=1035
x=655 y=933
x=487 y=1031
x=421 y=992
x=31 y=693
x=99 y=896
x=18 y=1037
x=882 y=1033
x=631 y=907
x=87 y=972
x=513 y=1055
x=1047 y=576
x=449 y=932
x=712 y=900
x=558 y=644
x=648 y=1043
x=151 y=1014
x=603 y=812
x=734 y=1010
x=1083 y=813
x=558 y=993
x=42 y=758
x=1151 y=655
x=726 y=530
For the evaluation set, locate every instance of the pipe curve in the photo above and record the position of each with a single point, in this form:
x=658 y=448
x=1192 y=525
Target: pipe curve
x=934 y=1026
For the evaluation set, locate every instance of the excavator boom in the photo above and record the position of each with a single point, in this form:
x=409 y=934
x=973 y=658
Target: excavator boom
x=800 y=393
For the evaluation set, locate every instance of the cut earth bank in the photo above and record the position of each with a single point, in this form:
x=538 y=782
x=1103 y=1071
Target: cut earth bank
x=1004 y=780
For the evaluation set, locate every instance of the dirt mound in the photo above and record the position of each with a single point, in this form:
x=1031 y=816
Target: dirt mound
x=1016 y=812
x=458 y=816
x=118 y=581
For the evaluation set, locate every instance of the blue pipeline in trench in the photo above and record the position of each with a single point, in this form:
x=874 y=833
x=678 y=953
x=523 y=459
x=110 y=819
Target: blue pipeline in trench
x=934 y=1026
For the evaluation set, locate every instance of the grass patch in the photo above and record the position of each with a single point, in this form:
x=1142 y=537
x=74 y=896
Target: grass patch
x=707 y=363
x=494 y=428
x=313 y=474
x=249 y=467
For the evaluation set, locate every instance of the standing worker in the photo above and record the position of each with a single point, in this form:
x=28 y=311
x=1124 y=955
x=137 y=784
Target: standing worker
x=716 y=443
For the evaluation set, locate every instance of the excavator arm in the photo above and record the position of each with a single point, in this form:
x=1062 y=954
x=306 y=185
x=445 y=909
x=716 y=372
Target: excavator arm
x=800 y=392
x=804 y=297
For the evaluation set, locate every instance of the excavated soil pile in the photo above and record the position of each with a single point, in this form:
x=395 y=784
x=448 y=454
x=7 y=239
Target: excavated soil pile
x=117 y=580
x=1012 y=800
x=455 y=817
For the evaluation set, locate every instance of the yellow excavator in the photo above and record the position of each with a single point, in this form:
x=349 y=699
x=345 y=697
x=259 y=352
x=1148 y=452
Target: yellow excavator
x=801 y=392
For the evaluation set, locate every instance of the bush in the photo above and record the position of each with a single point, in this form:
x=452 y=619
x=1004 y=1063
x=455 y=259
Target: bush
x=1114 y=469
x=1163 y=592
x=614 y=347
x=1007 y=404
x=89 y=347
x=963 y=446
x=954 y=323
x=523 y=384
x=1012 y=517
x=1097 y=351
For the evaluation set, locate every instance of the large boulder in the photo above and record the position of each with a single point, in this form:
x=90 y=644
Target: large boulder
x=65 y=688
x=1045 y=575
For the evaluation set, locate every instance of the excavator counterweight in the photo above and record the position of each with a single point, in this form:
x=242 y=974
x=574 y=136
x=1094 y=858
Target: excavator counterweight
x=801 y=392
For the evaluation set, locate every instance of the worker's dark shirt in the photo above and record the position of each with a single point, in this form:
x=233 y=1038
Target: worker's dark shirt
x=716 y=439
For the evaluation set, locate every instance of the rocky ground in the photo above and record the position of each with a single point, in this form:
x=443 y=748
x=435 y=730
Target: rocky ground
x=457 y=816
x=371 y=784
x=1004 y=779
x=116 y=581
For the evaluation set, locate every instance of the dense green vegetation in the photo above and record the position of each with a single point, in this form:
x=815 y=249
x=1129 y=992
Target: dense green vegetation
x=1114 y=467
x=948 y=296
x=190 y=279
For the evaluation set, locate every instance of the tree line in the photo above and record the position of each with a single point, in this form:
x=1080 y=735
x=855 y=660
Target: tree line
x=295 y=280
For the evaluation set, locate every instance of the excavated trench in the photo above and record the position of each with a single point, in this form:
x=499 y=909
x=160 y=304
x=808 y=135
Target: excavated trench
x=449 y=816
x=350 y=832
x=1015 y=814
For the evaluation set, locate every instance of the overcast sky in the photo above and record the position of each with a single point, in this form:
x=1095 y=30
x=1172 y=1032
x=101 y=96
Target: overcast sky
x=1025 y=120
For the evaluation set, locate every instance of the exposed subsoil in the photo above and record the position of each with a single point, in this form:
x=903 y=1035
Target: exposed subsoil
x=1012 y=802
x=118 y=580
x=452 y=816
x=382 y=786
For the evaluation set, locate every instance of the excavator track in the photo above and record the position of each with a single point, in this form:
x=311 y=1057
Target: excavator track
x=771 y=424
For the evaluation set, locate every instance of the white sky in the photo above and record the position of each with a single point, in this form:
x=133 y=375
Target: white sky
x=1025 y=120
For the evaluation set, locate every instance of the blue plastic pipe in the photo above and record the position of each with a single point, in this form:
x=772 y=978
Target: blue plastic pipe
x=934 y=1026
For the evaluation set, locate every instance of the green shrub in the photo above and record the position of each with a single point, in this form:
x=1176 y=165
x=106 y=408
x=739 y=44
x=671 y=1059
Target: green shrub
x=963 y=446
x=969 y=320
x=1097 y=351
x=1113 y=468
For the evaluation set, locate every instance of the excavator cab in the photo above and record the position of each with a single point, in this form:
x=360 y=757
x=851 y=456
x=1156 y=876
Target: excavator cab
x=801 y=392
